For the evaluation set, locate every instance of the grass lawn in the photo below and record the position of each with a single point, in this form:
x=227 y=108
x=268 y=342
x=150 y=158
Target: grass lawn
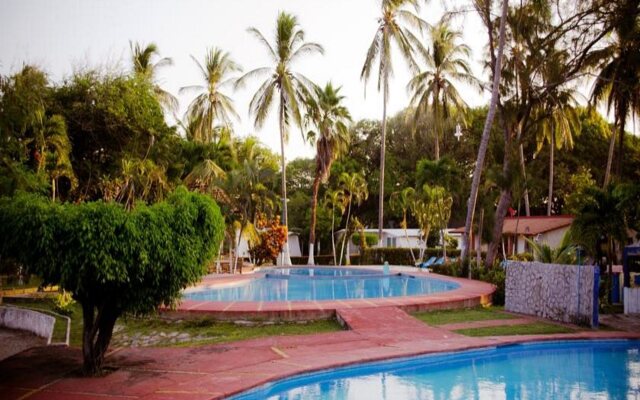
x=536 y=328
x=443 y=317
x=156 y=331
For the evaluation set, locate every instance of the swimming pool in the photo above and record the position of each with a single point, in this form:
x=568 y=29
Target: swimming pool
x=592 y=369
x=309 y=284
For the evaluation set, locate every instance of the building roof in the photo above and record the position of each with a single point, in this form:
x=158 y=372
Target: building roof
x=530 y=226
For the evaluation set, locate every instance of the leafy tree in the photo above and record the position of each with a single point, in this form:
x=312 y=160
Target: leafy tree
x=211 y=105
x=272 y=238
x=291 y=88
x=618 y=82
x=143 y=65
x=330 y=118
x=434 y=88
x=113 y=261
x=390 y=30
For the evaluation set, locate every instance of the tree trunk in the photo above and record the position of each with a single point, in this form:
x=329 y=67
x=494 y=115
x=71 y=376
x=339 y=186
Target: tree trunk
x=383 y=140
x=96 y=336
x=314 y=209
x=346 y=233
x=527 y=208
x=286 y=258
x=437 y=124
x=479 y=249
x=333 y=233
x=484 y=142
x=501 y=213
x=623 y=122
x=551 y=154
x=53 y=189
x=612 y=146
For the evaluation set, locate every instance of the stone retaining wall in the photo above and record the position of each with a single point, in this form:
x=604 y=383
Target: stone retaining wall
x=28 y=320
x=563 y=293
x=632 y=300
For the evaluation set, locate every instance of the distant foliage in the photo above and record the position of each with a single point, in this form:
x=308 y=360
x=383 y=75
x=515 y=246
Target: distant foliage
x=272 y=236
x=112 y=260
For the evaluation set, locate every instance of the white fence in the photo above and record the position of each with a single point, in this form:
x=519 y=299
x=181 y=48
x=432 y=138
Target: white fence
x=632 y=300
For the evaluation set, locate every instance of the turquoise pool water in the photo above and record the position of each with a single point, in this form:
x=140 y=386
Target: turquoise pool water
x=307 y=284
x=534 y=371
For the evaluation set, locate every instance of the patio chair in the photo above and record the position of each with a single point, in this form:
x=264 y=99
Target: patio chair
x=427 y=264
x=439 y=261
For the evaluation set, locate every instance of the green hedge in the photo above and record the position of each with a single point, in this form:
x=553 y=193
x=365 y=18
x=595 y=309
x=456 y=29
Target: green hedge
x=321 y=260
x=371 y=239
x=400 y=256
x=495 y=275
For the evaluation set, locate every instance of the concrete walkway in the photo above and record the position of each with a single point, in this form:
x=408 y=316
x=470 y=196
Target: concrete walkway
x=15 y=341
x=217 y=371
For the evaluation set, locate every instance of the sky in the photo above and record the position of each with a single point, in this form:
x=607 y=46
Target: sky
x=66 y=35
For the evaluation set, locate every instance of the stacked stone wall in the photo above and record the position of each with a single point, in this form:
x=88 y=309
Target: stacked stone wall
x=563 y=293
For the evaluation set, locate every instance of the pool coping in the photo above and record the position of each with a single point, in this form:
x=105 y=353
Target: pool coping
x=470 y=293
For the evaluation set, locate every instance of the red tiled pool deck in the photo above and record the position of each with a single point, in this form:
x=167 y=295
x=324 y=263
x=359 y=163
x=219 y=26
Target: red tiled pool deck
x=469 y=294
x=218 y=371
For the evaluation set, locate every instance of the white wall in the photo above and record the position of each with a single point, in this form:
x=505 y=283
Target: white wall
x=632 y=300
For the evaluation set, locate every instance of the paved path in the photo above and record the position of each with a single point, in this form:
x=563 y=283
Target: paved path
x=14 y=341
x=217 y=371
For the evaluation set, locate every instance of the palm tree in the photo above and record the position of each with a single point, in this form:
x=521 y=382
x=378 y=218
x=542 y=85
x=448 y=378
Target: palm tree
x=143 y=65
x=565 y=253
x=211 y=105
x=330 y=118
x=354 y=187
x=434 y=89
x=402 y=201
x=390 y=29
x=334 y=199
x=51 y=148
x=557 y=128
x=484 y=141
x=290 y=87
x=618 y=82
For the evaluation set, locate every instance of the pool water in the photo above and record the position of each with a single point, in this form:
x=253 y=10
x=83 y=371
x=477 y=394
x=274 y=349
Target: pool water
x=534 y=371
x=308 y=284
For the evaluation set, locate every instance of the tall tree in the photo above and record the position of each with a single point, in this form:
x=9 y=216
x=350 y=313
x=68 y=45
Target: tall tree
x=559 y=121
x=291 y=88
x=211 y=106
x=433 y=90
x=142 y=59
x=334 y=199
x=392 y=28
x=354 y=187
x=331 y=135
x=496 y=62
x=618 y=82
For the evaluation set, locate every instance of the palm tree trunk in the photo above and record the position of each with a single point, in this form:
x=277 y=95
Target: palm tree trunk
x=551 y=153
x=479 y=235
x=607 y=172
x=312 y=228
x=346 y=233
x=527 y=209
x=286 y=258
x=436 y=120
x=623 y=122
x=501 y=213
x=484 y=142
x=333 y=238
x=53 y=189
x=382 y=156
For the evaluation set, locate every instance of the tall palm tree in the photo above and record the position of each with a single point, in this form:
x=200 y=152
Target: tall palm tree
x=334 y=199
x=618 y=82
x=290 y=87
x=434 y=88
x=488 y=123
x=391 y=29
x=402 y=201
x=143 y=65
x=331 y=135
x=211 y=106
x=354 y=187
x=558 y=128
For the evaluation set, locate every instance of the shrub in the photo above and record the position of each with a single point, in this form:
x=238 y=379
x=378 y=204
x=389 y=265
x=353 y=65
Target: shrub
x=495 y=275
x=63 y=303
x=371 y=239
x=112 y=260
x=273 y=237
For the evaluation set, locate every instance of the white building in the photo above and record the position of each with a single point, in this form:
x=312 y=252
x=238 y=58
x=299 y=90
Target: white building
x=399 y=238
x=294 y=246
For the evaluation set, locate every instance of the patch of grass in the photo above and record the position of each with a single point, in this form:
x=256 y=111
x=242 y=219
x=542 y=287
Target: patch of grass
x=443 y=317
x=536 y=328
x=208 y=331
x=200 y=331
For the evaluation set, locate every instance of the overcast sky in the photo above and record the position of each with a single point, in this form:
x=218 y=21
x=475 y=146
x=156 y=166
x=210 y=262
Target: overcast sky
x=63 y=35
